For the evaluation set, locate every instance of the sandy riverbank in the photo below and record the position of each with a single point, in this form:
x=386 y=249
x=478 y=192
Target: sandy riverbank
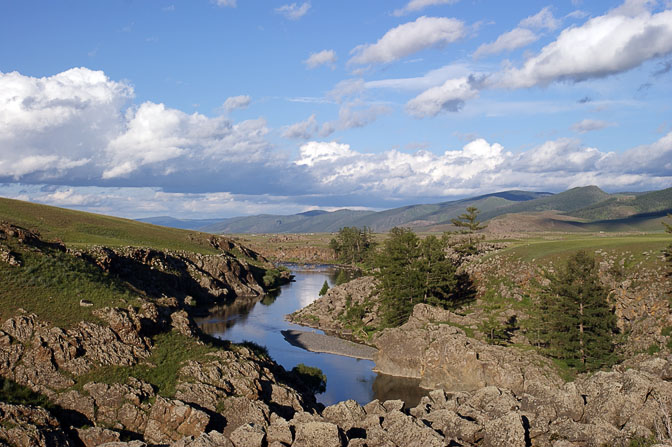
x=314 y=342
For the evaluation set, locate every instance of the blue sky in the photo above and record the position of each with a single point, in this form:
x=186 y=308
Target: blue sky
x=217 y=108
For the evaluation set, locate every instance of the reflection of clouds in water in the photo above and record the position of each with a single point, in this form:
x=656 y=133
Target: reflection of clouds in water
x=310 y=287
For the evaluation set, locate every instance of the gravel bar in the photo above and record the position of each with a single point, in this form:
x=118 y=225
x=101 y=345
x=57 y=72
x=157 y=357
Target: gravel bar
x=314 y=342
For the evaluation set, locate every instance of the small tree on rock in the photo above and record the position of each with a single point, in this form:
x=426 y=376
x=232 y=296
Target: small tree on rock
x=324 y=289
x=468 y=223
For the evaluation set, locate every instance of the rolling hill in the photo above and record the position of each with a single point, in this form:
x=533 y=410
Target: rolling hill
x=579 y=209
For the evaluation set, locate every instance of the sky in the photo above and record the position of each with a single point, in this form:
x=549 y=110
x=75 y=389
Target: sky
x=221 y=108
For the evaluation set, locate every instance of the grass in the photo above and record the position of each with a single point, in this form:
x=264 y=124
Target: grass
x=52 y=283
x=538 y=249
x=80 y=228
x=169 y=353
x=15 y=394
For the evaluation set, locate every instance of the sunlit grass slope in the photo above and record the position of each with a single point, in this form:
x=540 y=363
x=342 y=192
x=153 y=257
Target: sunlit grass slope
x=80 y=228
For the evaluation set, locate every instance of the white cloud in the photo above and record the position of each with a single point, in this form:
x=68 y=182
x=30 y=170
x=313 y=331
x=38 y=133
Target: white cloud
x=509 y=41
x=293 y=11
x=418 y=5
x=522 y=35
x=302 y=130
x=605 y=45
x=315 y=152
x=346 y=89
x=409 y=38
x=236 y=102
x=431 y=79
x=225 y=3
x=450 y=97
x=544 y=19
x=354 y=114
x=481 y=167
x=589 y=125
x=49 y=125
x=75 y=127
x=324 y=57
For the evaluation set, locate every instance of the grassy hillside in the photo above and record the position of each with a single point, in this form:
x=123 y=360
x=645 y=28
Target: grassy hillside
x=655 y=203
x=415 y=216
x=568 y=201
x=80 y=228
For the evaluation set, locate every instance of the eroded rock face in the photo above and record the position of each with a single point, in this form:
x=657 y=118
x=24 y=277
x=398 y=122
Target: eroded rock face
x=442 y=356
x=24 y=426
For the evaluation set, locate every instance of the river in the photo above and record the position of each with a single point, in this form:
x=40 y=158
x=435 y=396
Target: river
x=260 y=320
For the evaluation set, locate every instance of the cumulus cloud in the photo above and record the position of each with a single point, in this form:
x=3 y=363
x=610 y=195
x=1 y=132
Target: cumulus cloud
x=520 y=36
x=302 y=130
x=613 y=43
x=77 y=127
x=293 y=11
x=324 y=57
x=418 y=5
x=589 y=125
x=236 y=102
x=449 y=97
x=481 y=167
x=409 y=38
x=509 y=41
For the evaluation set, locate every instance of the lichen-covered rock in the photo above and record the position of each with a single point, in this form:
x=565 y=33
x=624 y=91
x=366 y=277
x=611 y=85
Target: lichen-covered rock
x=170 y=420
x=95 y=436
x=323 y=434
x=506 y=430
x=248 y=435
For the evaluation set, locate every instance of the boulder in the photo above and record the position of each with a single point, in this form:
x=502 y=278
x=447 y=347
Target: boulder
x=322 y=434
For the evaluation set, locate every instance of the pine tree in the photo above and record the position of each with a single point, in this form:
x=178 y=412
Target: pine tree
x=469 y=224
x=580 y=322
x=324 y=289
x=469 y=220
x=413 y=271
x=352 y=245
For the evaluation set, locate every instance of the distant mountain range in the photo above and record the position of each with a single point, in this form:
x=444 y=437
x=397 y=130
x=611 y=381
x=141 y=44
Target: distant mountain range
x=579 y=209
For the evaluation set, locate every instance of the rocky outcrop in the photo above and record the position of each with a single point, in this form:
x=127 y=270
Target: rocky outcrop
x=184 y=275
x=223 y=390
x=26 y=426
x=330 y=312
x=442 y=356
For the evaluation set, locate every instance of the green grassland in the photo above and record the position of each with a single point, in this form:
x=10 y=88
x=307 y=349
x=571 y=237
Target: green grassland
x=77 y=228
x=541 y=249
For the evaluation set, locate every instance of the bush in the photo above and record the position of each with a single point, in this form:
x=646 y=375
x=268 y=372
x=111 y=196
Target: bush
x=312 y=377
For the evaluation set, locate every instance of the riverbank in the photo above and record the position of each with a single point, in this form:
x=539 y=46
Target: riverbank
x=314 y=342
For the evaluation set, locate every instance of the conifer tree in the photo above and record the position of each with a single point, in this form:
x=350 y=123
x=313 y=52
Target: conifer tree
x=352 y=245
x=468 y=223
x=324 y=289
x=580 y=322
x=412 y=271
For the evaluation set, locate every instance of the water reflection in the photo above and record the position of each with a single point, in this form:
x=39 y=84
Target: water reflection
x=261 y=320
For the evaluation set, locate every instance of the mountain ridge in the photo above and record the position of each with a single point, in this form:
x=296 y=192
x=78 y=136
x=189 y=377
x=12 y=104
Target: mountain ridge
x=586 y=208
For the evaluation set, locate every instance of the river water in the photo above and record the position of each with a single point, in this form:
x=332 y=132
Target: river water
x=260 y=320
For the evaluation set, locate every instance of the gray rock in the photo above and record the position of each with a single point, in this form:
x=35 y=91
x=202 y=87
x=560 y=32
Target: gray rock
x=322 y=434
x=248 y=435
